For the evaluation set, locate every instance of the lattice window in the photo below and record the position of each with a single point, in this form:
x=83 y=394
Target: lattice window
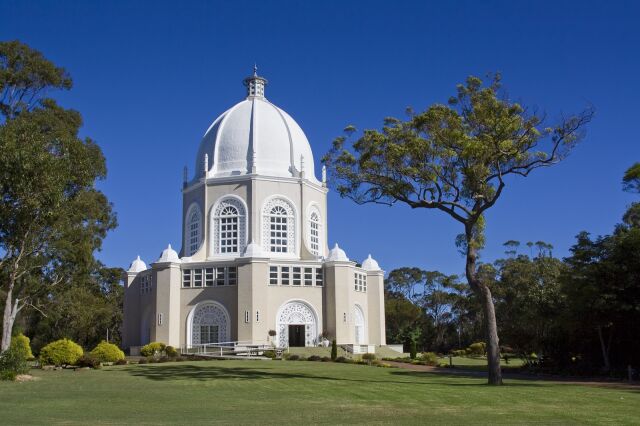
x=319 y=277
x=284 y=275
x=209 y=325
x=146 y=284
x=278 y=227
x=314 y=233
x=308 y=276
x=193 y=230
x=360 y=282
x=210 y=277
x=229 y=227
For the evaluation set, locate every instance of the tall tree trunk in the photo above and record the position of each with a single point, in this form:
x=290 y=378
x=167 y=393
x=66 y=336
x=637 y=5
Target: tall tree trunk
x=491 y=328
x=9 y=317
x=605 y=349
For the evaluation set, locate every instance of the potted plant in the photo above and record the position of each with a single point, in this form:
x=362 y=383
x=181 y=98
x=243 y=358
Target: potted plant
x=272 y=334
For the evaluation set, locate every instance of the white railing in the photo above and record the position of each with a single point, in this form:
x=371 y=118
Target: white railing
x=360 y=349
x=236 y=348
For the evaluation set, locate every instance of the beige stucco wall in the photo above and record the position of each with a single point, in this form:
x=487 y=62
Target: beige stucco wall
x=333 y=304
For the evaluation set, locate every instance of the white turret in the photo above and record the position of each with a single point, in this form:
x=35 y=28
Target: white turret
x=370 y=264
x=337 y=254
x=137 y=266
x=168 y=255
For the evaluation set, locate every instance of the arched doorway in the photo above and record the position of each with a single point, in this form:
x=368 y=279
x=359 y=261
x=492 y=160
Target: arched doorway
x=360 y=324
x=296 y=325
x=208 y=323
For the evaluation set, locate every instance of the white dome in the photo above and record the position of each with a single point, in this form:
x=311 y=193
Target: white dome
x=370 y=264
x=337 y=254
x=168 y=255
x=255 y=136
x=137 y=265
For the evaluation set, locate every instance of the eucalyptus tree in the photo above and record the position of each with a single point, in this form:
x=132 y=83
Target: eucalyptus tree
x=52 y=217
x=456 y=159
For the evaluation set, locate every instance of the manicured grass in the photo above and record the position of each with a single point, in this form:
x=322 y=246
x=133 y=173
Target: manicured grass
x=480 y=363
x=300 y=392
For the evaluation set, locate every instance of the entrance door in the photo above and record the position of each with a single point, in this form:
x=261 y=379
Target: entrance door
x=296 y=335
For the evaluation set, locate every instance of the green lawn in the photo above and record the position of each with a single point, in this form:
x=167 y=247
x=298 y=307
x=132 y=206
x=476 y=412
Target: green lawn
x=252 y=392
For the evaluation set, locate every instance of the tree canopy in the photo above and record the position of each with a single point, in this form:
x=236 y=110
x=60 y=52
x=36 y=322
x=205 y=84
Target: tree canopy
x=455 y=158
x=52 y=218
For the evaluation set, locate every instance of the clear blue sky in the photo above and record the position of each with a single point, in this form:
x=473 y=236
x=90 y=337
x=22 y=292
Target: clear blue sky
x=149 y=78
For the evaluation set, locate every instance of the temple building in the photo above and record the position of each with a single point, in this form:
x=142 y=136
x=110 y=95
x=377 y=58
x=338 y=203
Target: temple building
x=255 y=264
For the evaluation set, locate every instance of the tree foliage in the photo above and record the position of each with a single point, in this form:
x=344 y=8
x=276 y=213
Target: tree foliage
x=25 y=78
x=52 y=218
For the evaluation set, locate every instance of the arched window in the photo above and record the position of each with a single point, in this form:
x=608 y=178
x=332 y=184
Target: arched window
x=229 y=227
x=315 y=234
x=208 y=323
x=360 y=331
x=193 y=230
x=278 y=227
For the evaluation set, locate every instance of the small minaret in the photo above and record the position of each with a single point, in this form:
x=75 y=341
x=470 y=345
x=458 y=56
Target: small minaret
x=206 y=165
x=185 y=177
x=324 y=175
x=255 y=84
x=302 y=166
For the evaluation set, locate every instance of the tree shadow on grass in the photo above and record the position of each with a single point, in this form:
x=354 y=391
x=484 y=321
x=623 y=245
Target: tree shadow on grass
x=172 y=372
x=511 y=380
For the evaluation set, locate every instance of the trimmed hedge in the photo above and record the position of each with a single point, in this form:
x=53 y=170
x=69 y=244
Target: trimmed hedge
x=153 y=348
x=89 y=360
x=21 y=343
x=61 y=352
x=171 y=352
x=107 y=352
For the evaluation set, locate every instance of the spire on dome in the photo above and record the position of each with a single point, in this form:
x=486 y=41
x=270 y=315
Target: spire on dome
x=255 y=84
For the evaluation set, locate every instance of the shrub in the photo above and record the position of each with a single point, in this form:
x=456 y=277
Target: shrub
x=12 y=363
x=107 y=352
x=412 y=349
x=272 y=333
x=269 y=354
x=459 y=352
x=171 y=352
x=368 y=358
x=21 y=343
x=478 y=348
x=293 y=357
x=121 y=362
x=342 y=359
x=142 y=361
x=334 y=350
x=153 y=348
x=314 y=358
x=325 y=359
x=443 y=365
x=430 y=358
x=61 y=352
x=89 y=360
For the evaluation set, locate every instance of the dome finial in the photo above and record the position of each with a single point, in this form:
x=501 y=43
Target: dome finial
x=255 y=84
